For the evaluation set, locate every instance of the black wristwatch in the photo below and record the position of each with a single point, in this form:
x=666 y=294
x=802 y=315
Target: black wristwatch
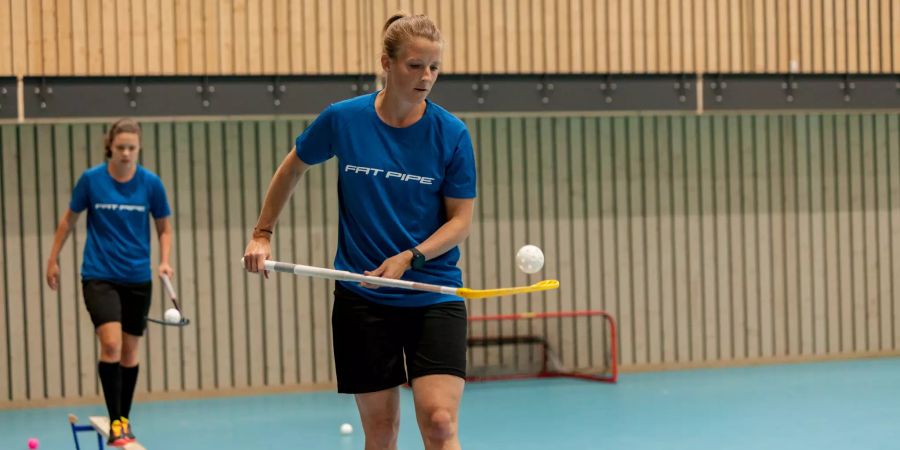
x=418 y=259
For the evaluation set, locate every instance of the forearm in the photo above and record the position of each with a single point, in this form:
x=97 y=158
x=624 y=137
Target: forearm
x=449 y=235
x=280 y=188
x=165 y=244
x=66 y=225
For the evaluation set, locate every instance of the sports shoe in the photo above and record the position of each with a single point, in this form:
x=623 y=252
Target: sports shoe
x=116 y=438
x=126 y=430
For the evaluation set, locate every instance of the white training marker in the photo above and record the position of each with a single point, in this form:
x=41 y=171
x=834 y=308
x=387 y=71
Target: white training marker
x=530 y=259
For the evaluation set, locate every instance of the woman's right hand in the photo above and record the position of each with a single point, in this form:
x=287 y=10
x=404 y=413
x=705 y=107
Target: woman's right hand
x=53 y=274
x=256 y=254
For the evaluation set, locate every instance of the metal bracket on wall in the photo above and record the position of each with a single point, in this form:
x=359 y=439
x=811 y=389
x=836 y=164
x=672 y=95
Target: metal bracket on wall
x=277 y=89
x=545 y=89
x=43 y=91
x=801 y=92
x=683 y=87
x=8 y=98
x=607 y=88
x=132 y=90
x=205 y=90
x=480 y=88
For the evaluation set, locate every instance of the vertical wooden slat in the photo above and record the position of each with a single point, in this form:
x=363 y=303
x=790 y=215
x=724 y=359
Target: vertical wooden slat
x=254 y=37
x=496 y=22
x=771 y=20
x=89 y=140
x=688 y=27
x=151 y=357
x=750 y=209
x=614 y=35
x=884 y=16
x=212 y=46
x=722 y=209
x=709 y=339
x=791 y=237
x=668 y=264
x=579 y=242
x=296 y=29
x=326 y=45
x=79 y=48
x=195 y=32
x=651 y=24
x=840 y=35
x=735 y=170
x=201 y=289
x=776 y=225
x=67 y=297
x=651 y=212
x=63 y=36
x=763 y=238
x=816 y=38
x=139 y=21
x=640 y=34
x=338 y=36
x=805 y=38
x=831 y=261
x=6 y=44
x=676 y=43
x=895 y=33
x=819 y=313
x=882 y=207
x=857 y=227
x=282 y=33
x=784 y=37
x=182 y=32
x=13 y=255
x=637 y=229
x=33 y=33
x=708 y=16
x=844 y=260
x=893 y=141
x=874 y=46
x=852 y=36
x=829 y=36
x=538 y=44
x=736 y=36
x=869 y=263
x=501 y=230
x=626 y=50
x=253 y=297
x=682 y=274
x=795 y=56
x=862 y=41
x=804 y=235
x=168 y=37
x=119 y=36
x=233 y=159
x=31 y=281
x=664 y=63
x=153 y=14
x=47 y=323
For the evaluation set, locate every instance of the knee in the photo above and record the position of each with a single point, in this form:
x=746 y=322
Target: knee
x=383 y=432
x=129 y=357
x=440 y=426
x=110 y=350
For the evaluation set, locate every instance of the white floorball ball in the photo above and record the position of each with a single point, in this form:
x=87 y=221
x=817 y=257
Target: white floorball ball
x=530 y=259
x=172 y=315
x=346 y=429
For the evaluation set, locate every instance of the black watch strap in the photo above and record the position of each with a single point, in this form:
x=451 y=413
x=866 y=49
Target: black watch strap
x=418 y=259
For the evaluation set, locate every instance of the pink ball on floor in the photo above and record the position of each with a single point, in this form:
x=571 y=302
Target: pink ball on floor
x=32 y=443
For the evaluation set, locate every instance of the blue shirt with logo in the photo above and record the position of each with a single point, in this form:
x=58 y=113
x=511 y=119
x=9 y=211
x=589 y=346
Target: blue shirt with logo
x=392 y=183
x=118 y=223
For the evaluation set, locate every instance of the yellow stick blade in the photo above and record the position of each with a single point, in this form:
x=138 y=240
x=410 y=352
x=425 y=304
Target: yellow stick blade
x=545 y=285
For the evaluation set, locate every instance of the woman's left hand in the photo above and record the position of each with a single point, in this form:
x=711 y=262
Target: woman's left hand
x=166 y=269
x=393 y=268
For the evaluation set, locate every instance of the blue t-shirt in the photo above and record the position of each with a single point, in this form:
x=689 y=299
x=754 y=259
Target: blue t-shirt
x=392 y=184
x=118 y=225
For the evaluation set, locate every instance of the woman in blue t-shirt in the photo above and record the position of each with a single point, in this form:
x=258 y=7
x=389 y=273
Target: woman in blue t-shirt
x=406 y=186
x=119 y=196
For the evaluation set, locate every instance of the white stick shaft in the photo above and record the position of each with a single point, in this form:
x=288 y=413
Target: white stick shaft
x=332 y=274
x=167 y=284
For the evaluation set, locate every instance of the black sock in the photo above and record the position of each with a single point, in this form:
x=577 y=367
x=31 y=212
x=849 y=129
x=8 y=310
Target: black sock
x=129 y=381
x=111 y=380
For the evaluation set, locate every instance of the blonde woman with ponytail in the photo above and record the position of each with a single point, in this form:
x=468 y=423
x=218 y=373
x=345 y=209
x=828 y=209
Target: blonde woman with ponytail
x=406 y=189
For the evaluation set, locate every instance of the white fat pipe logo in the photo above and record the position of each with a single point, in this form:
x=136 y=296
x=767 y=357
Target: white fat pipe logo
x=388 y=174
x=117 y=207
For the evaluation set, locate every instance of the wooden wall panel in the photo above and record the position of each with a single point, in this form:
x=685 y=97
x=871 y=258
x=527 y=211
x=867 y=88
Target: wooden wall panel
x=151 y=37
x=722 y=239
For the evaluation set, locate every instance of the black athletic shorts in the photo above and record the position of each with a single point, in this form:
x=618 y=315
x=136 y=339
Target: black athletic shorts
x=370 y=341
x=108 y=301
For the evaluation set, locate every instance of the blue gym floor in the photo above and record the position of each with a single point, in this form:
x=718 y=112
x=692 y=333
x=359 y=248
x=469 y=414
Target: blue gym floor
x=833 y=405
